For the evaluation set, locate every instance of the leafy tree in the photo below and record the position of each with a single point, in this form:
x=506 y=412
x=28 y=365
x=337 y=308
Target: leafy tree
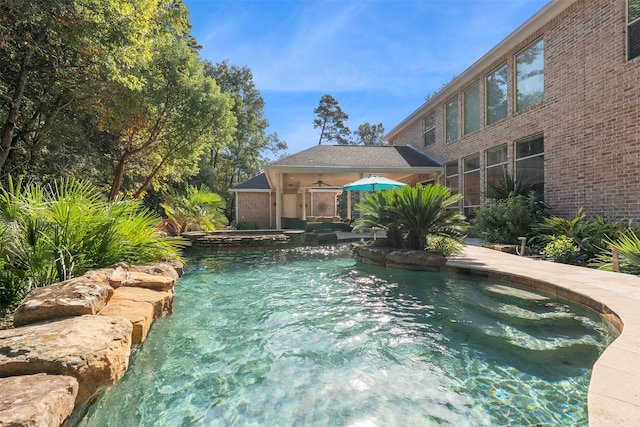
x=331 y=120
x=163 y=127
x=369 y=134
x=243 y=155
x=55 y=54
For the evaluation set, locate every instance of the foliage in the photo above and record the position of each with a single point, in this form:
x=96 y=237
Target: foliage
x=57 y=57
x=504 y=220
x=508 y=185
x=627 y=246
x=53 y=233
x=444 y=245
x=242 y=155
x=591 y=236
x=331 y=121
x=247 y=225
x=369 y=134
x=194 y=208
x=561 y=249
x=411 y=214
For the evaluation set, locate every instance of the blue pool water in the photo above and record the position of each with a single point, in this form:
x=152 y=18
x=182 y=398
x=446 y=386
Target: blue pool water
x=305 y=337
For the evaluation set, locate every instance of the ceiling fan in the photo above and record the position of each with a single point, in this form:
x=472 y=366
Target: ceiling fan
x=320 y=182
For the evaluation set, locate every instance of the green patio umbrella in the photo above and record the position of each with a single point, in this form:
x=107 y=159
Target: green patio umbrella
x=373 y=183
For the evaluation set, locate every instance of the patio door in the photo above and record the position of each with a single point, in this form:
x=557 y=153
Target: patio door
x=289 y=202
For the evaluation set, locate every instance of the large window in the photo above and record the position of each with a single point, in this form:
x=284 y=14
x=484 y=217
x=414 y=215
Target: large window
x=451 y=119
x=472 y=108
x=496 y=94
x=530 y=75
x=633 y=29
x=496 y=169
x=471 y=184
x=451 y=177
x=429 y=128
x=529 y=163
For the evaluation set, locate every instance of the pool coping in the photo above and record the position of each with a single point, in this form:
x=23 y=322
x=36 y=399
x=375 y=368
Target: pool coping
x=614 y=391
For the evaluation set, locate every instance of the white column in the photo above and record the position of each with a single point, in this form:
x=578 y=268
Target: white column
x=278 y=200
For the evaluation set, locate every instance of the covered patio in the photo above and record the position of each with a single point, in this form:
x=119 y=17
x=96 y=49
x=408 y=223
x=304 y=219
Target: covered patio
x=306 y=185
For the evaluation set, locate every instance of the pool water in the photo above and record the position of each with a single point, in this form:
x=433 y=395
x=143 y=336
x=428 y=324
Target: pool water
x=307 y=337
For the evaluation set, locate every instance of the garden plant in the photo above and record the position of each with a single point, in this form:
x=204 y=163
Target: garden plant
x=414 y=217
x=52 y=233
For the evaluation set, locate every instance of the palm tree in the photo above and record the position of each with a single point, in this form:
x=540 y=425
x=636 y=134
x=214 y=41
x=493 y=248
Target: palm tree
x=426 y=211
x=411 y=214
x=196 y=208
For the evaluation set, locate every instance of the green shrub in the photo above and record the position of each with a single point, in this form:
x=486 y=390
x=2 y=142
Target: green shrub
x=246 y=225
x=504 y=220
x=592 y=237
x=53 y=233
x=444 y=245
x=561 y=249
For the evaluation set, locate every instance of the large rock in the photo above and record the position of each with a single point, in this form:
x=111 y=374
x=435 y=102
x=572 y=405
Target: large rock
x=139 y=313
x=372 y=254
x=93 y=349
x=159 y=276
x=162 y=301
x=73 y=297
x=38 y=400
x=416 y=260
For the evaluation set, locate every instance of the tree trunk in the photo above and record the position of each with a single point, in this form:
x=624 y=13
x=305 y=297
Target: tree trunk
x=14 y=109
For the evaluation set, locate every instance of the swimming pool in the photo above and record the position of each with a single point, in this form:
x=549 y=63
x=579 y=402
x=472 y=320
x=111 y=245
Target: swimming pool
x=307 y=337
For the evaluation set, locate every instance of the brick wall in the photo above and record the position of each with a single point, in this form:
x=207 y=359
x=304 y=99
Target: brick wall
x=590 y=116
x=254 y=207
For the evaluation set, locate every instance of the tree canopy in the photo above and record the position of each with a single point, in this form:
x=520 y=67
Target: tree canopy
x=114 y=92
x=331 y=120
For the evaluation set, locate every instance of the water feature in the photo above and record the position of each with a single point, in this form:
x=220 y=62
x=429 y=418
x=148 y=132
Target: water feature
x=305 y=337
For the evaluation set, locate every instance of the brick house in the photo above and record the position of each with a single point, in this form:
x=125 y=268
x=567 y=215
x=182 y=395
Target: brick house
x=556 y=102
x=308 y=183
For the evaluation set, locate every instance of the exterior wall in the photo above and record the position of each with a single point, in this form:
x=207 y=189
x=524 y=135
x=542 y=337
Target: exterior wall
x=254 y=207
x=590 y=116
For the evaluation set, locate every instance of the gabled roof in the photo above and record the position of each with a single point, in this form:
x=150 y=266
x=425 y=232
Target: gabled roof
x=258 y=182
x=357 y=157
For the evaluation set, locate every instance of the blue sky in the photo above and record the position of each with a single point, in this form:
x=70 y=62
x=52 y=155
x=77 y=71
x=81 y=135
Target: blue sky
x=378 y=58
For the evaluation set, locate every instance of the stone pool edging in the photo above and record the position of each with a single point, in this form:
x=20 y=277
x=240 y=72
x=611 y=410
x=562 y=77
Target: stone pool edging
x=73 y=339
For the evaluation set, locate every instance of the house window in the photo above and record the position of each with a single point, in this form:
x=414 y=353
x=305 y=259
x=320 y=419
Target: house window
x=472 y=108
x=530 y=75
x=496 y=169
x=529 y=165
x=451 y=177
x=633 y=29
x=471 y=183
x=496 y=94
x=429 y=128
x=451 y=114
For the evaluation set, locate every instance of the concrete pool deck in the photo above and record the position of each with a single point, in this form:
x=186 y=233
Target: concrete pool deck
x=614 y=390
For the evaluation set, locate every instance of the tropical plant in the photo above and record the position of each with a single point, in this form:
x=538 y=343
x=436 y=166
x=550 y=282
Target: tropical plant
x=561 y=249
x=504 y=220
x=508 y=185
x=194 y=208
x=411 y=214
x=591 y=236
x=447 y=246
x=627 y=247
x=53 y=233
x=377 y=212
